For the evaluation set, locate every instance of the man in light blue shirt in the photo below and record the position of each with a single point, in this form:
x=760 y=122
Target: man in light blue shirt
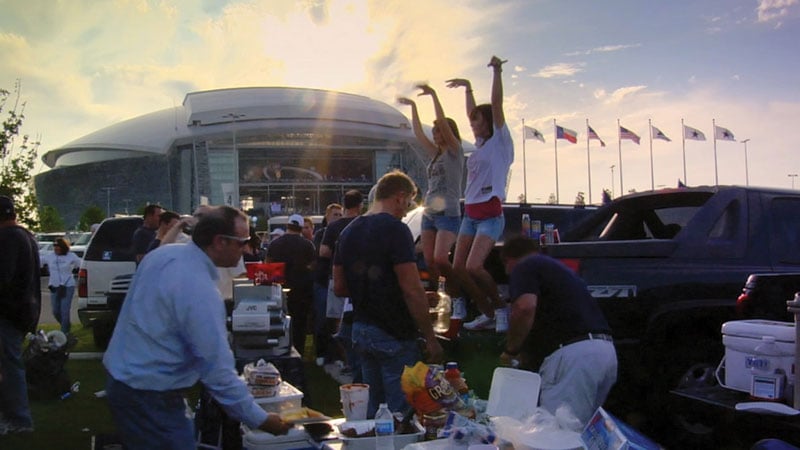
x=170 y=335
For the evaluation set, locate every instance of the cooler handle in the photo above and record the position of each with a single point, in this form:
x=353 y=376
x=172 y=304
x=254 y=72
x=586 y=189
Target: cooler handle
x=717 y=375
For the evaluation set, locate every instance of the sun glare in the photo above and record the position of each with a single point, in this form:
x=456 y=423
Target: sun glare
x=330 y=53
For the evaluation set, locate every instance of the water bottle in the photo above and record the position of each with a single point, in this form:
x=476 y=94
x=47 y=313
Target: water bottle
x=443 y=309
x=766 y=381
x=384 y=428
x=526 y=225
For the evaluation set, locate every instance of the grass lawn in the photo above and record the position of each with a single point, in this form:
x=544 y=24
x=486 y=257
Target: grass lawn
x=71 y=423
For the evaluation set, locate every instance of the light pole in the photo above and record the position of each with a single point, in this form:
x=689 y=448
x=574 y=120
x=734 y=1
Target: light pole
x=612 y=180
x=792 y=176
x=108 y=190
x=746 y=173
x=234 y=117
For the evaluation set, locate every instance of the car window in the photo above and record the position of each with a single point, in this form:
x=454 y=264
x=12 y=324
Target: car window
x=785 y=219
x=112 y=241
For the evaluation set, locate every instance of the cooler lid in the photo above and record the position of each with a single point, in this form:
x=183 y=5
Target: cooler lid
x=756 y=328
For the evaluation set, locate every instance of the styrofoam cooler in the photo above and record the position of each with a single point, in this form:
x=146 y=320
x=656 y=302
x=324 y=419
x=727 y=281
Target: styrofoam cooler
x=741 y=337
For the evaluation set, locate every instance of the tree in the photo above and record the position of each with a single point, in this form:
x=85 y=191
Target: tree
x=580 y=200
x=92 y=215
x=50 y=220
x=17 y=160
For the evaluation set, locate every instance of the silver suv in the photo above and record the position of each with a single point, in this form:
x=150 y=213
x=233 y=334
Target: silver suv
x=108 y=255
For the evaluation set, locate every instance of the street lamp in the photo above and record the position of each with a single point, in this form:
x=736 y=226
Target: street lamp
x=792 y=176
x=612 y=180
x=746 y=173
x=108 y=190
x=234 y=117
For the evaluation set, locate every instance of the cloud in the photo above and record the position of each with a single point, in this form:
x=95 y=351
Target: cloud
x=773 y=11
x=559 y=70
x=604 y=49
x=623 y=93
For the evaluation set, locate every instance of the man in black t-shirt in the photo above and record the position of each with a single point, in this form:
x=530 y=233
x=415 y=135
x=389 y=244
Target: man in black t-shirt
x=553 y=316
x=375 y=265
x=339 y=310
x=297 y=253
x=322 y=275
x=146 y=233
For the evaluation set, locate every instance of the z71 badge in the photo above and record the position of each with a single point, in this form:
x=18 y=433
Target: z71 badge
x=617 y=291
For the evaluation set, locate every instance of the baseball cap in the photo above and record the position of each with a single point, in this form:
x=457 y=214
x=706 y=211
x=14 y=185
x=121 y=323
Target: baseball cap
x=6 y=207
x=277 y=232
x=296 y=220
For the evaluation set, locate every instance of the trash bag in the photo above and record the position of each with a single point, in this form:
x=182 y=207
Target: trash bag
x=45 y=360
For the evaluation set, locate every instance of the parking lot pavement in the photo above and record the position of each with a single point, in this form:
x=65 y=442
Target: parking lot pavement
x=47 y=310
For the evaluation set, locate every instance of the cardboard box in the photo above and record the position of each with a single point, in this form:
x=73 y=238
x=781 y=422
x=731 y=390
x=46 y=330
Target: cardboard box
x=606 y=432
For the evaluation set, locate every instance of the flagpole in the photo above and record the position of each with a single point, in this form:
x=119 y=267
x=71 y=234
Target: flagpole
x=588 y=161
x=555 y=146
x=524 y=165
x=619 y=141
x=652 y=178
x=714 y=131
x=683 y=142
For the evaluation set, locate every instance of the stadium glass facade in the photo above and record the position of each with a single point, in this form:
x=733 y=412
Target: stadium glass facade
x=276 y=157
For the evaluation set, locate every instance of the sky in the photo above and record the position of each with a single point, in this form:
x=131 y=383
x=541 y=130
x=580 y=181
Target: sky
x=86 y=64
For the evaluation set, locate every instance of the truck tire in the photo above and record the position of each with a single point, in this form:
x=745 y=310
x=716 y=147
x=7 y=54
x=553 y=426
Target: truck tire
x=101 y=332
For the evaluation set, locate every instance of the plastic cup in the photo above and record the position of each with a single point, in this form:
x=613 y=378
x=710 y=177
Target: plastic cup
x=355 y=399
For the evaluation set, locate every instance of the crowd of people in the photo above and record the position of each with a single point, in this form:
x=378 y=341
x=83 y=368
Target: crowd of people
x=354 y=284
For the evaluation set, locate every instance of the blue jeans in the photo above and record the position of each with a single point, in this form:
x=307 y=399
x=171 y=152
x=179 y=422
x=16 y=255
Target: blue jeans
x=492 y=227
x=345 y=337
x=383 y=359
x=149 y=419
x=61 y=308
x=13 y=388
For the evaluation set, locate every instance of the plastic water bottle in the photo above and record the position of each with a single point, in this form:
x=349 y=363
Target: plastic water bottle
x=384 y=428
x=443 y=309
x=767 y=382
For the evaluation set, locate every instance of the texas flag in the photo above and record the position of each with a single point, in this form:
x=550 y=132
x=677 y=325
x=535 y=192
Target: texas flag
x=566 y=133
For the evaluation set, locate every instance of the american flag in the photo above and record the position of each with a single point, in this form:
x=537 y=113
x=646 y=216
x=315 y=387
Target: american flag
x=625 y=133
x=593 y=135
x=566 y=133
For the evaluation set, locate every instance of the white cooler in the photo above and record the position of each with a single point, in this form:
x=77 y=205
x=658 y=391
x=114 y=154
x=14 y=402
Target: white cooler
x=741 y=337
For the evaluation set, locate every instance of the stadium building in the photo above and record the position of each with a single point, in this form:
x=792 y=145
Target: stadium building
x=270 y=150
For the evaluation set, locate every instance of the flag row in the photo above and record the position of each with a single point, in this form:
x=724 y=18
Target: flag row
x=690 y=133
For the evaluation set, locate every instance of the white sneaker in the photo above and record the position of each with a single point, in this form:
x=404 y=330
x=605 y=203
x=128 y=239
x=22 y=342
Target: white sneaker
x=480 y=323
x=501 y=320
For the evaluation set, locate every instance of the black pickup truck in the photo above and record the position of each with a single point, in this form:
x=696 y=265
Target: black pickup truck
x=764 y=296
x=667 y=267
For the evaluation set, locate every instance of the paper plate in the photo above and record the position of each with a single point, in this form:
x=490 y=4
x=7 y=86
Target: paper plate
x=514 y=393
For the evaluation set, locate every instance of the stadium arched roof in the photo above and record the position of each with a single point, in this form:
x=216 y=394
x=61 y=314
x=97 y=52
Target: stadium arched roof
x=219 y=112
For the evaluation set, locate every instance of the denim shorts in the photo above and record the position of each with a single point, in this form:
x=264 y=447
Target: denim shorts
x=440 y=222
x=492 y=227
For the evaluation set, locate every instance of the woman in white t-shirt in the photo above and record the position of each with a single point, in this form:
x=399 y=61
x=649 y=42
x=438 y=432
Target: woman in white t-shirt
x=483 y=223
x=61 y=264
